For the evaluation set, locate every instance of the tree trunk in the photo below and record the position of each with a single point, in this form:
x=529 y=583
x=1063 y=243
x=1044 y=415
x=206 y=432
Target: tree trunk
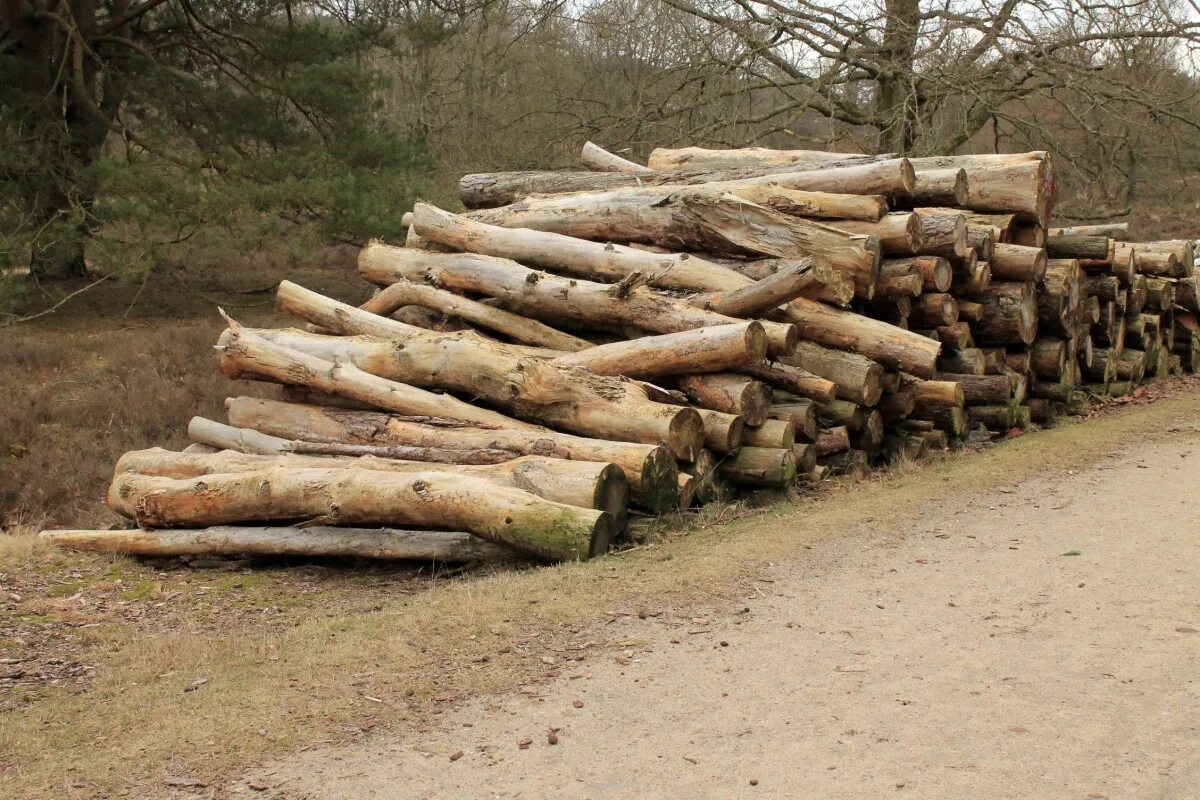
x=520 y=329
x=651 y=471
x=802 y=415
x=939 y=187
x=871 y=177
x=832 y=440
x=855 y=377
x=1096 y=248
x=935 y=271
x=1012 y=262
x=729 y=393
x=892 y=347
x=795 y=380
x=547 y=296
x=715 y=349
x=499 y=514
x=587 y=484
x=1009 y=314
x=981 y=389
x=322 y=541
x=1113 y=230
x=772 y=433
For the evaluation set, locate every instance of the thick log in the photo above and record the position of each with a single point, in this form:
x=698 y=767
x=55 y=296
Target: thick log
x=1095 y=248
x=1187 y=293
x=1131 y=365
x=708 y=487
x=939 y=187
x=952 y=420
x=651 y=470
x=547 y=296
x=964 y=361
x=819 y=205
x=832 y=440
x=848 y=462
x=970 y=310
x=533 y=388
x=1009 y=314
x=805 y=455
x=772 y=433
x=1028 y=234
x=934 y=309
x=1111 y=230
x=944 y=235
x=729 y=393
x=1013 y=262
x=957 y=336
x=694 y=158
x=898 y=404
x=793 y=379
x=1160 y=293
x=723 y=432
x=975 y=279
x=595 y=157
x=499 y=514
x=898 y=233
x=982 y=239
x=1105 y=287
x=981 y=389
x=933 y=394
x=218 y=436
x=586 y=484
x=842 y=412
x=899 y=279
x=995 y=418
x=714 y=349
x=1008 y=182
x=935 y=271
x=322 y=541
x=1048 y=357
x=520 y=329
x=892 y=347
x=855 y=377
x=760 y=466
x=889 y=177
x=1042 y=411
x=802 y=415
x=870 y=436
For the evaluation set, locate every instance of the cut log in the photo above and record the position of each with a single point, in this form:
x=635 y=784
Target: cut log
x=694 y=158
x=547 y=296
x=795 y=380
x=832 y=440
x=834 y=288
x=944 y=235
x=790 y=281
x=772 y=433
x=596 y=158
x=981 y=389
x=855 y=377
x=729 y=393
x=952 y=420
x=1009 y=314
x=933 y=309
x=1112 y=230
x=760 y=466
x=935 y=271
x=520 y=329
x=802 y=415
x=928 y=395
x=842 y=412
x=1095 y=248
x=499 y=514
x=939 y=187
x=586 y=484
x=1048 y=357
x=1013 y=262
x=897 y=282
x=1008 y=182
x=723 y=433
x=322 y=541
x=898 y=234
x=965 y=361
x=892 y=347
x=898 y=404
x=709 y=488
x=651 y=470
x=714 y=349
x=806 y=458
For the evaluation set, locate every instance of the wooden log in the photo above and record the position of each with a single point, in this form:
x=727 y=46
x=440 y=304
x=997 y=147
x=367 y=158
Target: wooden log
x=952 y=420
x=842 y=412
x=322 y=541
x=966 y=361
x=939 y=187
x=1048 y=357
x=595 y=157
x=1111 y=230
x=801 y=413
x=832 y=440
x=896 y=405
x=709 y=487
x=520 y=329
x=723 y=433
x=502 y=515
x=937 y=394
x=699 y=158
x=890 y=346
x=550 y=297
x=795 y=380
x=944 y=235
x=981 y=239
x=1104 y=287
x=956 y=336
x=970 y=310
x=994 y=418
x=1187 y=294
x=772 y=433
x=1009 y=314
x=855 y=377
x=1009 y=182
x=848 y=462
x=650 y=470
x=900 y=280
x=934 y=309
x=869 y=437
x=531 y=388
x=586 y=484
x=729 y=393
x=1028 y=234
x=792 y=280
x=809 y=204
x=1131 y=365
x=713 y=349
x=805 y=455
x=935 y=271
x=1095 y=248
x=218 y=436
x=1160 y=293
x=759 y=466
x=981 y=389
x=1013 y=262
x=977 y=279
x=898 y=233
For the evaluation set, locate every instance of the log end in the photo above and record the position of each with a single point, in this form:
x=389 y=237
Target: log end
x=659 y=491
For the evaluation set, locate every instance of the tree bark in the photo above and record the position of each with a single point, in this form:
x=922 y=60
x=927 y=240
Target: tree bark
x=651 y=470
x=802 y=415
x=981 y=389
x=939 y=187
x=715 y=349
x=587 y=484
x=892 y=347
x=1113 y=230
x=698 y=158
x=1009 y=314
x=499 y=514
x=547 y=296
x=322 y=541
x=760 y=466
x=793 y=379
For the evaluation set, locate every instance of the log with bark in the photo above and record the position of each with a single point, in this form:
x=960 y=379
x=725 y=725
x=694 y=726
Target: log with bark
x=729 y=393
x=502 y=515
x=1013 y=262
x=1009 y=313
x=801 y=413
x=1112 y=230
x=596 y=158
x=713 y=349
x=651 y=470
x=981 y=389
x=767 y=467
x=693 y=158
x=855 y=377
x=892 y=347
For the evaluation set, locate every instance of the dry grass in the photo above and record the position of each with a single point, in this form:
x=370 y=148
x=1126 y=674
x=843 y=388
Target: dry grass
x=275 y=682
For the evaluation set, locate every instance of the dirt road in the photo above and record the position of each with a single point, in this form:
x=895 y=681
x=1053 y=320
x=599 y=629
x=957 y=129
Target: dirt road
x=1007 y=646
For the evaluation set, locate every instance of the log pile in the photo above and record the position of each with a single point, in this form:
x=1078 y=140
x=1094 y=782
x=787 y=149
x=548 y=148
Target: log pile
x=577 y=347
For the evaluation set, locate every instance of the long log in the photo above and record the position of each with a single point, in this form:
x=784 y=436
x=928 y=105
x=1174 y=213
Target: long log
x=586 y=484
x=714 y=349
x=499 y=514
x=651 y=470
x=940 y=187
x=1012 y=262
x=321 y=541
x=875 y=177
x=1113 y=230
x=547 y=296
x=1095 y=248
x=892 y=347
x=898 y=233
x=519 y=329
x=785 y=284
x=855 y=377
x=981 y=389
x=693 y=158
x=596 y=158
x=793 y=379
x=802 y=415
x=1016 y=182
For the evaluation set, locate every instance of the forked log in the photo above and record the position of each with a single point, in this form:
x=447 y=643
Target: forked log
x=548 y=296
x=321 y=541
x=651 y=470
x=499 y=514
x=586 y=484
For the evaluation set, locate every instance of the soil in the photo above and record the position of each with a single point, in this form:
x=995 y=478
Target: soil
x=1036 y=640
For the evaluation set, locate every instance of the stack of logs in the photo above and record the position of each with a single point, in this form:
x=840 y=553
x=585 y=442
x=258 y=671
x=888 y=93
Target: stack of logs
x=580 y=344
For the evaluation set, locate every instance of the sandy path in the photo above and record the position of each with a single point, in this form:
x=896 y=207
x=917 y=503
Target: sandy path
x=967 y=654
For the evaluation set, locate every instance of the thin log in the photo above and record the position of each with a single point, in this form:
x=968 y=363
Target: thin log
x=713 y=349
x=892 y=347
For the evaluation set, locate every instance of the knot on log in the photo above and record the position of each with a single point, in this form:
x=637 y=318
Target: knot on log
x=532 y=278
x=421 y=488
